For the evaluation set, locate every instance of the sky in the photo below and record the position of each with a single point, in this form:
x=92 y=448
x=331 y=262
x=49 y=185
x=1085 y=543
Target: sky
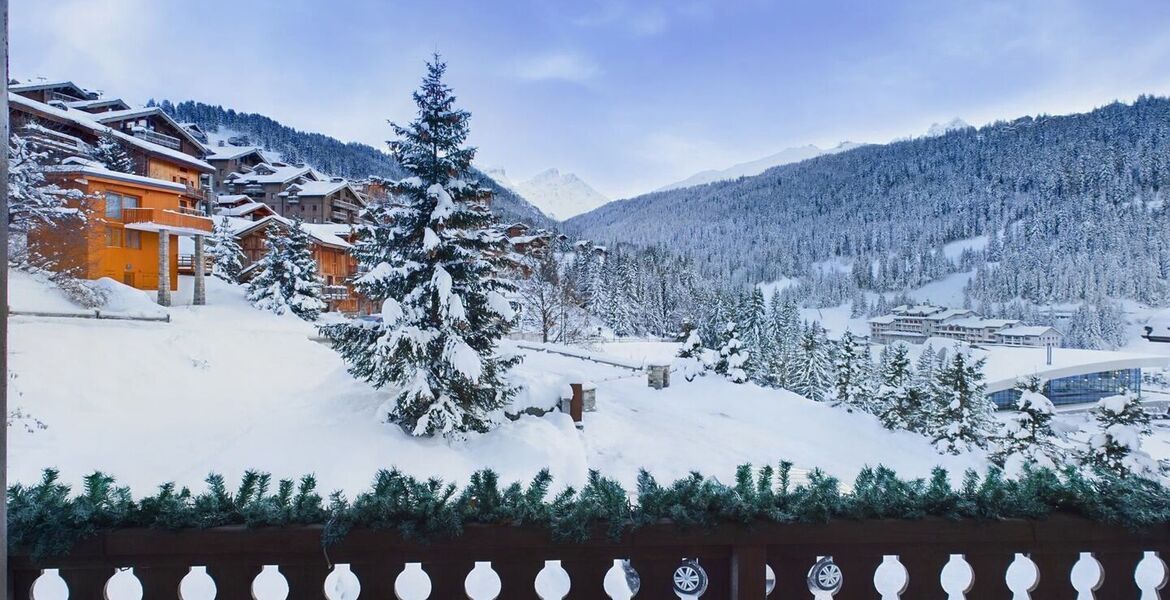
x=630 y=95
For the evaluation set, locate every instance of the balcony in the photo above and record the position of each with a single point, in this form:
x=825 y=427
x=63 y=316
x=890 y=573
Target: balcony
x=155 y=137
x=54 y=95
x=908 y=560
x=175 y=220
x=335 y=292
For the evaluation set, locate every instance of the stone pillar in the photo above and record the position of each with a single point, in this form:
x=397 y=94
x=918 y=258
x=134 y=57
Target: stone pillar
x=164 y=267
x=200 y=292
x=658 y=376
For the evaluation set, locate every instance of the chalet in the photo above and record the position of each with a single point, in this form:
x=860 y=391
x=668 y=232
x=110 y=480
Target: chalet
x=330 y=201
x=265 y=181
x=232 y=159
x=135 y=218
x=331 y=245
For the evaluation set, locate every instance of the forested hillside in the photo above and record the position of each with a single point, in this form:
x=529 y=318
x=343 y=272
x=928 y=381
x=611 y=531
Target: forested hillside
x=1073 y=206
x=330 y=155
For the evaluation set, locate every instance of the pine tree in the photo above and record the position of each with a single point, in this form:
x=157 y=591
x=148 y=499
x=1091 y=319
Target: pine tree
x=812 y=364
x=432 y=260
x=112 y=154
x=226 y=254
x=961 y=417
x=899 y=398
x=1115 y=446
x=733 y=357
x=1028 y=437
x=851 y=385
x=32 y=199
x=286 y=279
x=691 y=359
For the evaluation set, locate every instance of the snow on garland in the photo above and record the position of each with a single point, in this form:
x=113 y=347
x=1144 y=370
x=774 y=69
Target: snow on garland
x=47 y=519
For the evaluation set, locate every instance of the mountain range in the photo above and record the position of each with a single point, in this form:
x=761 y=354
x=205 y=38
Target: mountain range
x=558 y=195
x=755 y=167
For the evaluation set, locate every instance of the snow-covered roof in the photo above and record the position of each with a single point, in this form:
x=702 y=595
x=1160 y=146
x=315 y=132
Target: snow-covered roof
x=223 y=199
x=91 y=169
x=231 y=152
x=1005 y=365
x=316 y=188
x=146 y=111
x=241 y=210
x=1027 y=330
x=269 y=173
x=48 y=85
x=982 y=323
x=917 y=310
x=882 y=320
x=87 y=104
x=326 y=234
x=948 y=314
x=86 y=121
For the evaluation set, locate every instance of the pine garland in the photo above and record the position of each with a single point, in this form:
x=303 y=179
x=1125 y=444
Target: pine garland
x=46 y=519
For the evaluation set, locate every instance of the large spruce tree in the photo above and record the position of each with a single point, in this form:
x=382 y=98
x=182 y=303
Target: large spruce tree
x=431 y=259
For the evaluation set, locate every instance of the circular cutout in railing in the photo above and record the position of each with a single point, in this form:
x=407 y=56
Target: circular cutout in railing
x=825 y=576
x=690 y=579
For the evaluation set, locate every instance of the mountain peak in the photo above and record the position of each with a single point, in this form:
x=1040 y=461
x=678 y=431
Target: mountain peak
x=560 y=195
x=937 y=129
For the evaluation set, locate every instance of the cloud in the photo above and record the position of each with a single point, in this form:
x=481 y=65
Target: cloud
x=558 y=67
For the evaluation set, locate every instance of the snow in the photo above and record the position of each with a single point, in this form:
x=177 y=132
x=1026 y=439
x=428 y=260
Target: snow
x=558 y=195
x=954 y=250
x=939 y=129
x=225 y=387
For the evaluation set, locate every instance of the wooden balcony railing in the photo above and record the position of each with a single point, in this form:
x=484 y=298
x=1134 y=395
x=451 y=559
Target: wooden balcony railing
x=335 y=292
x=909 y=560
x=168 y=218
x=155 y=137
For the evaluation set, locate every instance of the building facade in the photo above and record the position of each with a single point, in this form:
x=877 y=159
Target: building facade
x=915 y=324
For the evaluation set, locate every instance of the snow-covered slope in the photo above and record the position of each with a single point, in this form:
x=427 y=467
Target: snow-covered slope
x=755 y=167
x=226 y=387
x=558 y=195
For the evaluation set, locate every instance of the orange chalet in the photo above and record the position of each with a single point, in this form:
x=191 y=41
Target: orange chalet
x=133 y=219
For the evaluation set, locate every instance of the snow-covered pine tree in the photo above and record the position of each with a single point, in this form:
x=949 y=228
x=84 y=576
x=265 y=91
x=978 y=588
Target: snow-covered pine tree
x=851 y=373
x=961 y=416
x=32 y=199
x=226 y=254
x=1028 y=437
x=286 y=279
x=733 y=357
x=432 y=262
x=812 y=364
x=899 y=399
x=691 y=360
x=1115 y=444
x=112 y=154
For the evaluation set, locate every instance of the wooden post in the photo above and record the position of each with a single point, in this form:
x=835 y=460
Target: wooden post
x=577 y=403
x=164 y=267
x=5 y=583
x=748 y=572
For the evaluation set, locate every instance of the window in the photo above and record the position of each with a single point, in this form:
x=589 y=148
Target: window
x=114 y=237
x=116 y=203
x=133 y=239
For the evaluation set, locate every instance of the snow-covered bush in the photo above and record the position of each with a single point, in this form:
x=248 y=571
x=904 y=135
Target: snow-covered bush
x=691 y=360
x=732 y=356
x=286 y=279
x=1028 y=438
x=1115 y=443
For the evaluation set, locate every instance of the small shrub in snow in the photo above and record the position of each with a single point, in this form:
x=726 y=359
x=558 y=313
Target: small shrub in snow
x=732 y=357
x=1115 y=444
x=286 y=279
x=691 y=361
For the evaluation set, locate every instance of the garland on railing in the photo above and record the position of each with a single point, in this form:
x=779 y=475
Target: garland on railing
x=47 y=520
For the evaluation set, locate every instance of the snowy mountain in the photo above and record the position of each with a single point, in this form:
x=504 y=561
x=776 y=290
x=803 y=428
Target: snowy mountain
x=558 y=195
x=755 y=167
x=1065 y=229
x=937 y=129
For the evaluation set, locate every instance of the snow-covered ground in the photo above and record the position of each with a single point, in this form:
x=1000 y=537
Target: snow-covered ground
x=225 y=387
